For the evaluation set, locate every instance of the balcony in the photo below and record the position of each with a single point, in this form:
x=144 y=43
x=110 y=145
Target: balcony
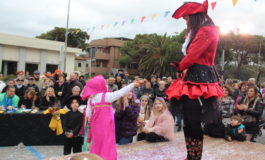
x=102 y=55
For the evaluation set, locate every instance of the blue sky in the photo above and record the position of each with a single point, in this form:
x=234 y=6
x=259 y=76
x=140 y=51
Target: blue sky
x=33 y=17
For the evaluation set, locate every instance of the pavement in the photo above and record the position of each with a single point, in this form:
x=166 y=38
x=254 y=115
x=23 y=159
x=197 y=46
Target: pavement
x=214 y=149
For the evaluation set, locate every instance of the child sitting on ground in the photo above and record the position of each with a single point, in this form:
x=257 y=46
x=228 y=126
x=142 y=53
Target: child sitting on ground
x=160 y=126
x=235 y=130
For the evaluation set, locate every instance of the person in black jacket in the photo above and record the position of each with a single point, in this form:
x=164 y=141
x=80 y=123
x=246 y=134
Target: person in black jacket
x=31 y=84
x=160 y=91
x=58 y=88
x=20 y=89
x=49 y=100
x=250 y=109
x=30 y=99
x=72 y=125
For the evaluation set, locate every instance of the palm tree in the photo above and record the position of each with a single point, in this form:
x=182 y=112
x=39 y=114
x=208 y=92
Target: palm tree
x=160 y=51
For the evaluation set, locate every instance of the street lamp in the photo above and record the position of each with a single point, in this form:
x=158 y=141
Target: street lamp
x=64 y=54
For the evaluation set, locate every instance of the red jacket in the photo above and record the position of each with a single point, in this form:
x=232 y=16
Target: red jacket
x=202 y=49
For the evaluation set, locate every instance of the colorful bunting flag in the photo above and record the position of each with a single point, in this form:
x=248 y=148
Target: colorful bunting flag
x=77 y=31
x=123 y=22
x=143 y=18
x=132 y=21
x=213 y=4
x=102 y=26
x=166 y=13
x=234 y=2
x=93 y=28
x=153 y=16
x=115 y=24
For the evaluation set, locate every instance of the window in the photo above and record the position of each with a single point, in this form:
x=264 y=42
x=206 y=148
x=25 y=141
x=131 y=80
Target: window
x=51 y=67
x=31 y=68
x=98 y=63
x=105 y=63
x=79 y=65
x=9 y=67
x=87 y=65
x=133 y=65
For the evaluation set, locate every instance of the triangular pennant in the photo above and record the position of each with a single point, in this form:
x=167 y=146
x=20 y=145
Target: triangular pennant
x=132 y=21
x=115 y=24
x=213 y=4
x=234 y=2
x=77 y=31
x=102 y=26
x=143 y=18
x=166 y=13
x=123 y=22
x=153 y=16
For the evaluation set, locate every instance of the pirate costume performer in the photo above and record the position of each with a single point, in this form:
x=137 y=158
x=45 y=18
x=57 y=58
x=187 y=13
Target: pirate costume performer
x=197 y=86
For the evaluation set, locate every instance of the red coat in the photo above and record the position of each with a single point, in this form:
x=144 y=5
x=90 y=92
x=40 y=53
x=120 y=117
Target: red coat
x=202 y=49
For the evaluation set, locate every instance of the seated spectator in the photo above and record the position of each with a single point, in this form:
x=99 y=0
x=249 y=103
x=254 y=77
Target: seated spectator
x=8 y=100
x=148 y=91
x=112 y=87
x=49 y=100
x=160 y=91
x=31 y=84
x=20 y=88
x=160 y=126
x=235 y=130
x=250 y=109
x=10 y=83
x=145 y=112
x=126 y=115
x=2 y=83
x=242 y=87
x=227 y=103
x=30 y=99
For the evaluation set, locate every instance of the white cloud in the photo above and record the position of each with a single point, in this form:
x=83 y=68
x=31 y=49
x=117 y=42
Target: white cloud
x=33 y=17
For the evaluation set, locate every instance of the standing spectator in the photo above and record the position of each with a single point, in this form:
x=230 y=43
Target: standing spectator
x=176 y=110
x=20 y=89
x=250 y=109
x=72 y=125
x=31 y=84
x=67 y=90
x=82 y=80
x=169 y=82
x=75 y=92
x=227 y=103
x=119 y=82
x=49 y=100
x=112 y=87
x=252 y=81
x=2 y=83
x=148 y=91
x=126 y=115
x=126 y=77
x=30 y=99
x=8 y=100
x=154 y=83
x=120 y=73
x=58 y=88
x=10 y=83
x=56 y=74
x=45 y=86
x=160 y=91
x=38 y=82
x=137 y=91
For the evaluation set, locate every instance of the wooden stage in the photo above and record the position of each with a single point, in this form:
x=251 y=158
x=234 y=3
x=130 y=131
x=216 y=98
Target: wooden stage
x=214 y=149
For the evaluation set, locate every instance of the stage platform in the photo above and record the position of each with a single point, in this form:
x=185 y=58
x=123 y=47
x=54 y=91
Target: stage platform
x=214 y=149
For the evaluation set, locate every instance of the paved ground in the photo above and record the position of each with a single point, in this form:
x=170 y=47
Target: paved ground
x=21 y=152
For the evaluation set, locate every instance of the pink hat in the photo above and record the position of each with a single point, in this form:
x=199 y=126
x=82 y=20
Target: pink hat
x=94 y=86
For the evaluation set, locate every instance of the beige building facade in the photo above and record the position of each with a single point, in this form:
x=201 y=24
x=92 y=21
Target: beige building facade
x=104 y=55
x=29 y=54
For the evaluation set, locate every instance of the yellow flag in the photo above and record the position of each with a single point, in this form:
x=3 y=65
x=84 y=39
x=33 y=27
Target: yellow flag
x=234 y=2
x=153 y=16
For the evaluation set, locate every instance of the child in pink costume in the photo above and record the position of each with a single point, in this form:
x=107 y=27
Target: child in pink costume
x=99 y=110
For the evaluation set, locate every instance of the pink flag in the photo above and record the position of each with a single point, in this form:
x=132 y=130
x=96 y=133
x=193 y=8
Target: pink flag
x=213 y=4
x=143 y=18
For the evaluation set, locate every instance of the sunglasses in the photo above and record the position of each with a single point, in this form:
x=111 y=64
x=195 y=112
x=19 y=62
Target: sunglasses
x=20 y=80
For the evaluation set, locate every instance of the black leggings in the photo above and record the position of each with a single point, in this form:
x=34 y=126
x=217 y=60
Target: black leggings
x=75 y=143
x=151 y=137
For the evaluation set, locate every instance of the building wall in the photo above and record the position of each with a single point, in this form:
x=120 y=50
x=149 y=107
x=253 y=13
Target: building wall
x=83 y=68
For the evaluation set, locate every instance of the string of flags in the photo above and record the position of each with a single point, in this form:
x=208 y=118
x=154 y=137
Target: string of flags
x=142 y=19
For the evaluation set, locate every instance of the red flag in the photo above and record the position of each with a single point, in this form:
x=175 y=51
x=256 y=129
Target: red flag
x=213 y=4
x=143 y=18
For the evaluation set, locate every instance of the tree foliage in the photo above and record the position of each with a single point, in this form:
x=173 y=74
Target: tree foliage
x=153 y=53
x=76 y=37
